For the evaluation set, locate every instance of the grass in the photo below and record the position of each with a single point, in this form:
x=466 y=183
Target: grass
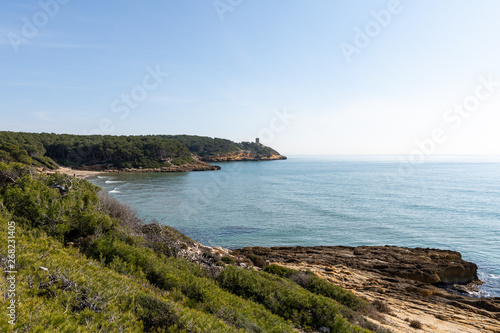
x=78 y=294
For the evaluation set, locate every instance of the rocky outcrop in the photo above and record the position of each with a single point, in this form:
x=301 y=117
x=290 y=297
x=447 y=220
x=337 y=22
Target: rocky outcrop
x=424 y=285
x=424 y=265
x=243 y=156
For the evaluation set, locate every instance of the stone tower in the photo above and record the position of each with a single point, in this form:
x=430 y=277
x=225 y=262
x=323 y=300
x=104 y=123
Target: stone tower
x=257 y=141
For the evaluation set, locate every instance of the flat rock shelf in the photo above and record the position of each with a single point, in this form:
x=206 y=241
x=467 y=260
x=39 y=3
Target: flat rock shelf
x=431 y=286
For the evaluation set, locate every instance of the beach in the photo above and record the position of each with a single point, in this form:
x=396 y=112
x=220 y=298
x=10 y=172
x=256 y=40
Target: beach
x=75 y=173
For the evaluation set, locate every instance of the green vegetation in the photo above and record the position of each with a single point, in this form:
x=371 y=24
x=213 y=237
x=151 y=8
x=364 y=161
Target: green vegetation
x=208 y=147
x=290 y=301
x=146 y=151
x=227 y=260
x=317 y=286
x=24 y=148
x=87 y=263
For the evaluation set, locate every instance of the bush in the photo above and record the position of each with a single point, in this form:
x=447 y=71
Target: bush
x=156 y=315
x=182 y=160
x=318 y=286
x=286 y=299
x=9 y=173
x=191 y=284
x=228 y=260
x=416 y=324
x=381 y=306
x=45 y=162
x=258 y=261
x=62 y=206
x=124 y=214
x=279 y=270
x=81 y=295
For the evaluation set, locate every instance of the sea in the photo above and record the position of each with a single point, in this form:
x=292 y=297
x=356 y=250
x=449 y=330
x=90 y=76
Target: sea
x=444 y=202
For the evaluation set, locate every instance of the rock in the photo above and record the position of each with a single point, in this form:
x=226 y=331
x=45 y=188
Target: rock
x=456 y=311
x=422 y=291
x=465 y=289
x=457 y=272
x=243 y=156
x=424 y=265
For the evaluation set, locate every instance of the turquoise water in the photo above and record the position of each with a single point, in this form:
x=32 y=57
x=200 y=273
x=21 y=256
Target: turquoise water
x=447 y=203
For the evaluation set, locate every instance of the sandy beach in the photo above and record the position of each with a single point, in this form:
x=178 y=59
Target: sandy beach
x=75 y=173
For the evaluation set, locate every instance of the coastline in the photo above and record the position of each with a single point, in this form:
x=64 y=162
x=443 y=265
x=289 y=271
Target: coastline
x=243 y=156
x=199 y=165
x=91 y=171
x=408 y=281
x=408 y=299
x=75 y=172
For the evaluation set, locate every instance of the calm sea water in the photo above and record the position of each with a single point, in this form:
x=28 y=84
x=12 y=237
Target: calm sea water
x=447 y=203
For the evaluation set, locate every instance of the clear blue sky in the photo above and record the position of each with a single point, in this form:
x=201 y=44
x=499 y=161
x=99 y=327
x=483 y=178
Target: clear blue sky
x=234 y=64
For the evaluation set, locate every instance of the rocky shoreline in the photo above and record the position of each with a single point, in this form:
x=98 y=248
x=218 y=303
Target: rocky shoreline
x=243 y=156
x=198 y=166
x=429 y=286
x=87 y=171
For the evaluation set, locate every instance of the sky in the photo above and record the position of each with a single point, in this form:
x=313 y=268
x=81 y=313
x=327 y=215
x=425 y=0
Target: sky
x=307 y=77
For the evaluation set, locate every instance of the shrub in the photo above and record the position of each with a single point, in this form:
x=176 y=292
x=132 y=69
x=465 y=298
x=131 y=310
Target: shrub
x=416 y=324
x=279 y=270
x=124 y=214
x=258 y=261
x=156 y=315
x=68 y=212
x=9 y=173
x=318 y=286
x=81 y=295
x=192 y=285
x=228 y=260
x=288 y=300
x=381 y=306
x=182 y=160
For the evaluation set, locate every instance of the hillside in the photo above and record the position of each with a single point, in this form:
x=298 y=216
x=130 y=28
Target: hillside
x=215 y=149
x=122 y=152
x=83 y=262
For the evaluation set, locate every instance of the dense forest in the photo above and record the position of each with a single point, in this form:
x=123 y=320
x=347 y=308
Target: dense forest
x=207 y=147
x=83 y=262
x=145 y=151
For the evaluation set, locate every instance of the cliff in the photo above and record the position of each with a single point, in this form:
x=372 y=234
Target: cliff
x=243 y=156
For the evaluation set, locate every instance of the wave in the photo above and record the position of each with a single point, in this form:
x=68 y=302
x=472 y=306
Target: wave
x=114 y=191
x=114 y=181
x=102 y=177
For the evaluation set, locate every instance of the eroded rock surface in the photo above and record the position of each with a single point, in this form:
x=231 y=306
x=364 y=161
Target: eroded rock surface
x=425 y=265
x=406 y=279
